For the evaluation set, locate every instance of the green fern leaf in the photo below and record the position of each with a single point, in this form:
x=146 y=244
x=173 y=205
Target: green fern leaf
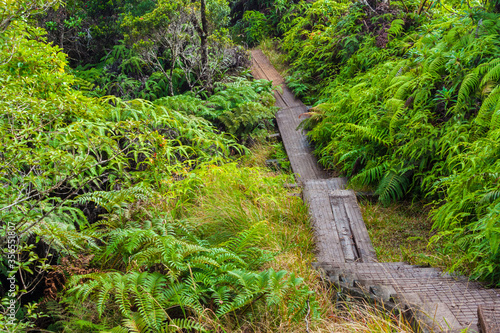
x=370 y=133
x=392 y=187
x=467 y=89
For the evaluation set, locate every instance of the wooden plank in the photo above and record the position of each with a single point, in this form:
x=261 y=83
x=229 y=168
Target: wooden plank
x=342 y=224
x=299 y=152
x=336 y=184
x=439 y=317
x=257 y=71
x=327 y=239
x=279 y=100
x=290 y=99
x=439 y=302
x=263 y=69
x=356 y=226
x=271 y=72
x=489 y=318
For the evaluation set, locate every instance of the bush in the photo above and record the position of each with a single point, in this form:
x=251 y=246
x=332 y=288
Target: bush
x=255 y=26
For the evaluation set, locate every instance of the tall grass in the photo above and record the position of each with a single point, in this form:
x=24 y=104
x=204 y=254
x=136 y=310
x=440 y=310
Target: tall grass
x=235 y=196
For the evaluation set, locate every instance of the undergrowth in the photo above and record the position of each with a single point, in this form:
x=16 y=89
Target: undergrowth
x=400 y=233
x=125 y=179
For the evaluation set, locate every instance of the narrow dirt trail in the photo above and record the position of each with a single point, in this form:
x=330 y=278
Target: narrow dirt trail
x=437 y=301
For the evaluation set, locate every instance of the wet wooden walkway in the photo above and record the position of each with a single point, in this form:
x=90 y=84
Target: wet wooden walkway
x=436 y=301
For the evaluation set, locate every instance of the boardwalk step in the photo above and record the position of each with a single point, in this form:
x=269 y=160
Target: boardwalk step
x=288 y=118
x=489 y=318
x=340 y=232
x=440 y=302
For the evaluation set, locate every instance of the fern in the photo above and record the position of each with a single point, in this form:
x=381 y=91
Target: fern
x=116 y=199
x=437 y=64
x=393 y=186
x=245 y=118
x=488 y=106
x=490 y=197
x=495 y=119
x=370 y=175
x=372 y=134
x=171 y=269
x=176 y=325
x=493 y=74
x=415 y=114
x=396 y=27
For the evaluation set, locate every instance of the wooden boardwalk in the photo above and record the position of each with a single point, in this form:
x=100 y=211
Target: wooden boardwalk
x=303 y=162
x=436 y=301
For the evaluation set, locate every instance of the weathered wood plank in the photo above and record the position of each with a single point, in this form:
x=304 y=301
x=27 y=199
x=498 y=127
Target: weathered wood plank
x=444 y=302
x=358 y=227
x=341 y=221
x=263 y=69
x=440 y=317
x=489 y=318
x=299 y=152
x=327 y=239
x=336 y=183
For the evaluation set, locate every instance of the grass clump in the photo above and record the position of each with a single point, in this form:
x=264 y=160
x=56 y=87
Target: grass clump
x=398 y=233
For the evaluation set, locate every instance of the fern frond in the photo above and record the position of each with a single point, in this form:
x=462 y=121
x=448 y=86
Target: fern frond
x=135 y=324
x=437 y=64
x=493 y=74
x=467 y=89
x=495 y=119
x=396 y=27
x=370 y=175
x=484 y=115
x=393 y=186
x=179 y=325
x=373 y=134
x=490 y=197
x=247 y=238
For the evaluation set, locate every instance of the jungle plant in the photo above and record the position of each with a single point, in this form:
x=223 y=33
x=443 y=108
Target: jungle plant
x=176 y=35
x=184 y=278
x=256 y=27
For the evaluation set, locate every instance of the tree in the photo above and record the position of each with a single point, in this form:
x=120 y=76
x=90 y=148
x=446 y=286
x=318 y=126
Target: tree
x=183 y=35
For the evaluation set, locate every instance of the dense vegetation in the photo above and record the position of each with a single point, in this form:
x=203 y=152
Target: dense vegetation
x=120 y=206
x=406 y=99
x=127 y=179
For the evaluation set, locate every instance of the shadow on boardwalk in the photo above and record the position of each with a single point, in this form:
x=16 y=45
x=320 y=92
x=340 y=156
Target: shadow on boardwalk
x=437 y=301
